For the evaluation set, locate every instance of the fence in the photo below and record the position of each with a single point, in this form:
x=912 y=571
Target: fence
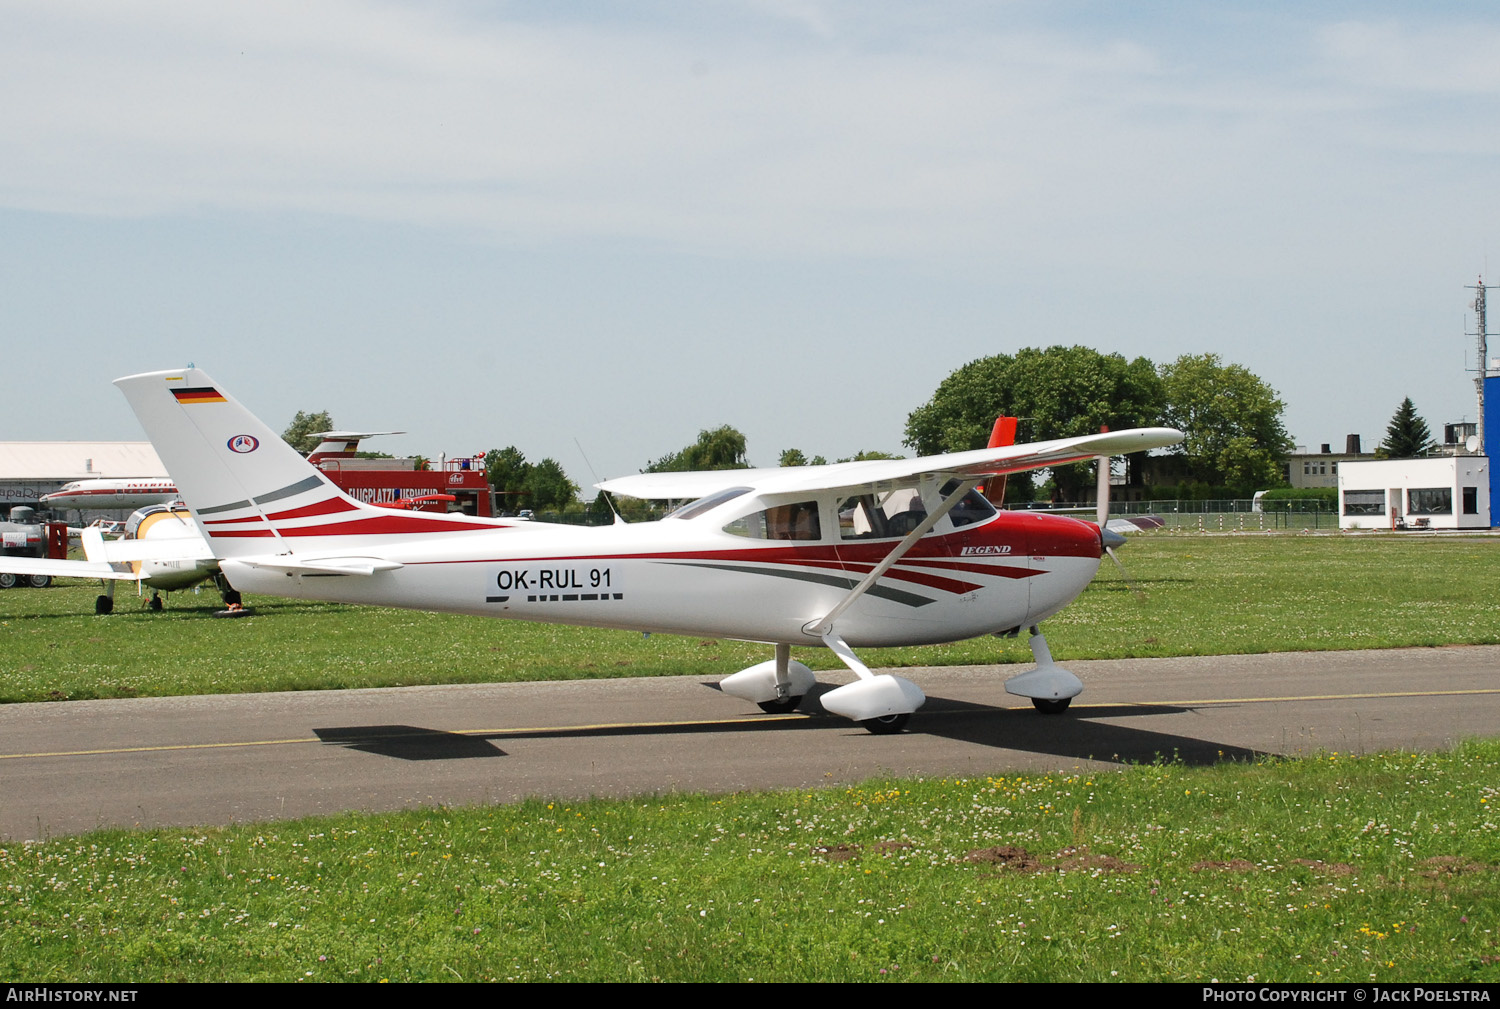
x=1184 y=515
x=1245 y=521
x=1236 y=515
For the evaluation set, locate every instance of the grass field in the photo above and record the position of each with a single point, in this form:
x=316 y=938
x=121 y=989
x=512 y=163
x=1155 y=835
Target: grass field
x=1330 y=868
x=1379 y=867
x=1201 y=595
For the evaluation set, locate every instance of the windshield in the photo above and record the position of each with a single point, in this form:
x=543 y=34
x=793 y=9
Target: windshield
x=695 y=508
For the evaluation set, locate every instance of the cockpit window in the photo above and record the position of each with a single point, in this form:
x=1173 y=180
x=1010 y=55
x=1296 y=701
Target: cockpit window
x=798 y=521
x=897 y=512
x=133 y=524
x=695 y=508
x=876 y=516
x=974 y=507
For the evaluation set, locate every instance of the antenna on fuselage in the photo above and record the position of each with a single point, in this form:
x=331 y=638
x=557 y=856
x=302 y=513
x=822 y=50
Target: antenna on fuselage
x=619 y=519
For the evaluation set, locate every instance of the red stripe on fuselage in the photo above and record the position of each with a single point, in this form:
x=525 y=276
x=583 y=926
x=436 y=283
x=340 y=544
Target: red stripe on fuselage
x=328 y=507
x=1026 y=533
x=385 y=525
x=916 y=577
x=979 y=568
x=161 y=489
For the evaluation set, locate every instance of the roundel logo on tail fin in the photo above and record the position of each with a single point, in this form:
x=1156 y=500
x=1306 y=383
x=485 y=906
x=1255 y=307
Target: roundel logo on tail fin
x=243 y=443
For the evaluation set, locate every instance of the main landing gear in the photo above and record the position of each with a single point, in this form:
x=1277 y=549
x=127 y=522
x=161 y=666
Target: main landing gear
x=883 y=703
x=105 y=604
x=776 y=686
x=887 y=725
x=233 y=603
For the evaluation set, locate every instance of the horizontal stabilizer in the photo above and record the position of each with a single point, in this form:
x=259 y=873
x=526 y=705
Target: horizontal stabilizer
x=191 y=548
x=364 y=566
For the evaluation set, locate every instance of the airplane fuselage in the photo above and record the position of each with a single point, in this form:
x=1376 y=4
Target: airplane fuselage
x=107 y=494
x=690 y=577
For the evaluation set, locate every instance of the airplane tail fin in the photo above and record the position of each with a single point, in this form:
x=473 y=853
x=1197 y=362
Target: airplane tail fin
x=249 y=491
x=1002 y=435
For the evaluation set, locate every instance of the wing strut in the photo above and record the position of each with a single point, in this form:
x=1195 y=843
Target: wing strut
x=824 y=628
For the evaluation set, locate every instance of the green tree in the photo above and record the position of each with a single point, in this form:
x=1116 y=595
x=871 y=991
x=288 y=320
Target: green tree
x=548 y=488
x=719 y=448
x=1407 y=436
x=869 y=454
x=600 y=512
x=794 y=457
x=506 y=469
x=300 y=432
x=1231 y=419
x=1059 y=392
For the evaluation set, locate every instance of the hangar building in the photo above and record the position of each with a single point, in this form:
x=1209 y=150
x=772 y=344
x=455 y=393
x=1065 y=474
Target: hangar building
x=29 y=469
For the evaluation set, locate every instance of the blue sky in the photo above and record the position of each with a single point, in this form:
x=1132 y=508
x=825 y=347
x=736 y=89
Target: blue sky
x=612 y=225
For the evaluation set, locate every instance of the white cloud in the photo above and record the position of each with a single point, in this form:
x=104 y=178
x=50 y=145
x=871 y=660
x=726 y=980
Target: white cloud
x=539 y=129
x=803 y=128
x=1390 y=56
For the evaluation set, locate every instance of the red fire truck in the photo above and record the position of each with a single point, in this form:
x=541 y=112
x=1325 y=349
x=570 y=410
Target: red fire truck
x=443 y=484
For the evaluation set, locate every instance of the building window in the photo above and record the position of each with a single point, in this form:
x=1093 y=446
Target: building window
x=1364 y=502
x=1471 y=500
x=1430 y=501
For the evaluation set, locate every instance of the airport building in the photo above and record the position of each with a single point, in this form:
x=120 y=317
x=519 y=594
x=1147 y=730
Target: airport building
x=1438 y=492
x=1321 y=469
x=1456 y=489
x=29 y=469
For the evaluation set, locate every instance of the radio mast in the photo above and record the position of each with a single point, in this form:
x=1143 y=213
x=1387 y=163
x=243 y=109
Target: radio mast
x=1483 y=369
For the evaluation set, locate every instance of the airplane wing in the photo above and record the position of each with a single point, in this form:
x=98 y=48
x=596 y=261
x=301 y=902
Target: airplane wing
x=63 y=569
x=978 y=463
x=701 y=483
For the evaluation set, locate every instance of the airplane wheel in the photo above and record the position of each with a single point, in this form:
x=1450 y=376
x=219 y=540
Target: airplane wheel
x=103 y=606
x=1047 y=707
x=39 y=581
x=155 y=604
x=888 y=725
x=781 y=705
x=7 y=580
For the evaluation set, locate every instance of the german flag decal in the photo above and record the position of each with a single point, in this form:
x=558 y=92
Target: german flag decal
x=203 y=394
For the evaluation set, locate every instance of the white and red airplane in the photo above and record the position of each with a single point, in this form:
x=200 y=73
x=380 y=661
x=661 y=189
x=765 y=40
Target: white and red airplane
x=104 y=493
x=888 y=552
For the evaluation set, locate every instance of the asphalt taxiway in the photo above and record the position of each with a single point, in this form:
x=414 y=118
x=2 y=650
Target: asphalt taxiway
x=69 y=767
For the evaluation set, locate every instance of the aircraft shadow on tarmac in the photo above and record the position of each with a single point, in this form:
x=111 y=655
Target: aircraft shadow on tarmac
x=409 y=742
x=1080 y=734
